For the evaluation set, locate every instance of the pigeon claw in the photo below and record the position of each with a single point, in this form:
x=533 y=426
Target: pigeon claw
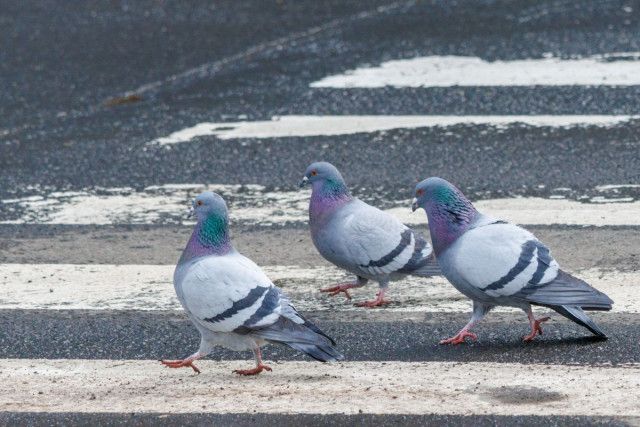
x=180 y=364
x=378 y=302
x=255 y=371
x=460 y=338
x=335 y=290
x=371 y=304
x=536 y=329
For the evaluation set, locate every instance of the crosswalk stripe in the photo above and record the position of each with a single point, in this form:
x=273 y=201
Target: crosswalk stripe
x=540 y=211
x=149 y=287
x=349 y=387
x=255 y=205
x=613 y=69
x=307 y=126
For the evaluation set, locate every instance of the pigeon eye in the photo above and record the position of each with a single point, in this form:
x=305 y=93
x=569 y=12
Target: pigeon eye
x=314 y=173
x=199 y=203
x=419 y=192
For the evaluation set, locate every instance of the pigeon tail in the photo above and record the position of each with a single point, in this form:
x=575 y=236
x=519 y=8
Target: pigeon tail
x=566 y=290
x=428 y=268
x=321 y=353
x=305 y=337
x=423 y=262
x=576 y=314
x=317 y=330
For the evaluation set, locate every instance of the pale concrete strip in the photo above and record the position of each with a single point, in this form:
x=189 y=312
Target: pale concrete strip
x=308 y=387
x=539 y=211
x=149 y=287
x=309 y=126
x=254 y=204
x=613 y=69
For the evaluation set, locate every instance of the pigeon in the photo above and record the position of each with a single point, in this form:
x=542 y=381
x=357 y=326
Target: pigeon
x=495 y=263
x=231 y=301
x=360 y=238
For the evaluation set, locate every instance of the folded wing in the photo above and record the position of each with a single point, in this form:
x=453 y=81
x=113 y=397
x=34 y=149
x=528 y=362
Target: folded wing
x=378 y=243
x=504 y=260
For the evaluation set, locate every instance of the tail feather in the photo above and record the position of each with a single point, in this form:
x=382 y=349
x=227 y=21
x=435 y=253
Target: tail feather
x=321 y=353
x=317 y=330
x=576 y=314
x=427 y=267
x=304 y=337
x=566 y=290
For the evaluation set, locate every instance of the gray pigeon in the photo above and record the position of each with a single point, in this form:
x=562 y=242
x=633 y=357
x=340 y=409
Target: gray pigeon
x=231 y=301
x=497 y=263
x=363 y=240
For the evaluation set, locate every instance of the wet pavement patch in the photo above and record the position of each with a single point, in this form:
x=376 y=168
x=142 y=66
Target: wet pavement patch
x=519 y=395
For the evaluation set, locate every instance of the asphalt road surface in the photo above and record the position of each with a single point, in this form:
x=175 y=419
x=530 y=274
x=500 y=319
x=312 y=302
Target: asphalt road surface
x=113 y=115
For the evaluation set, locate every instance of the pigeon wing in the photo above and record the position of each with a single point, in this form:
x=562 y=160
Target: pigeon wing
x=377 y=243
x=501 y=259
x=228 y=292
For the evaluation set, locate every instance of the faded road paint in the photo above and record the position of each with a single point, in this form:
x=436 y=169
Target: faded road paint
x=292 y=387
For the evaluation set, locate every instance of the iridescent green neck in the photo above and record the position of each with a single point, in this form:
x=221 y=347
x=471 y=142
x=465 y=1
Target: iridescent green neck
x=210 y=237
x=332 y=188
x=213 y=231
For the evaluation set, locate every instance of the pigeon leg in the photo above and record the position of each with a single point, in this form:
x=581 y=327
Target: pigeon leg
x=259 y=365
x=188 y=362
x=479 y=310
x=379 y=301
x=344 y=287
x=536 y=329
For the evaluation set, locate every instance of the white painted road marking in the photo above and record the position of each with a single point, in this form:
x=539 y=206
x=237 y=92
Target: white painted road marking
x=253 y=204
x=157 y=204
x=539 y=211
x=617 y=187
x=618 y=69
x=127 y=386
x=309 y=126
x=149 y=287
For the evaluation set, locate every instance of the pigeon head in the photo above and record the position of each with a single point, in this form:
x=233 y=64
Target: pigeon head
x=448 y=210
x=209 y=204
x=211 y=233
x=329 y=192
x=324 y=177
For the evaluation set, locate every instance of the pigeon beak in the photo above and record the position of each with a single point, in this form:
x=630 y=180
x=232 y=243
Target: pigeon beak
x=304 y=182
x=414 y=204
x=191 y=213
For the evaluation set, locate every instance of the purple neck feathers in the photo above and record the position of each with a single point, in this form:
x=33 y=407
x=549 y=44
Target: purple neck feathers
x=449 y=220
x=326 y=197
x=210 y=237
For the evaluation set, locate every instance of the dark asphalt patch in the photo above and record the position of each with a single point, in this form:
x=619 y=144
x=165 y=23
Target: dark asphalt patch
x=519 y=160
x=469 y=100
x=82 y=54
x=56 y=334
x=294 y=420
